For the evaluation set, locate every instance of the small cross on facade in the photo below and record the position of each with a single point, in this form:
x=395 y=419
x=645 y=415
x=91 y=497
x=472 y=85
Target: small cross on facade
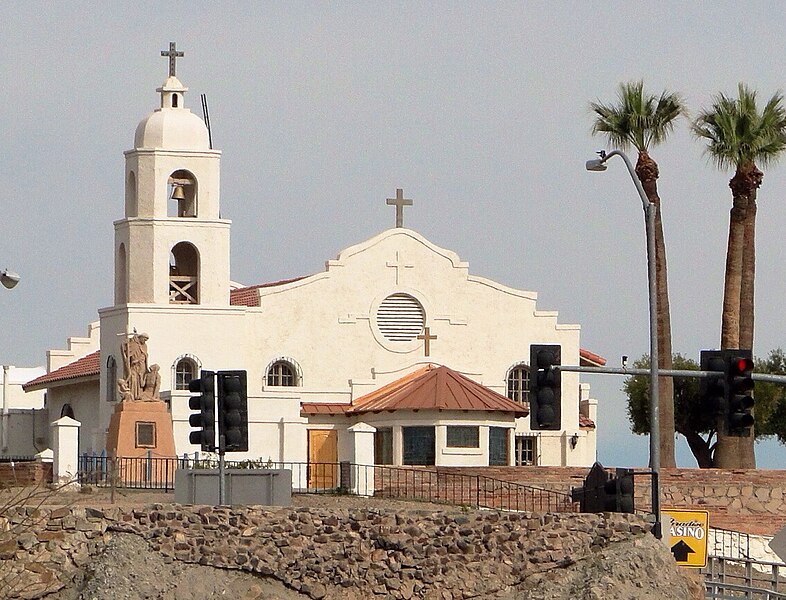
x=398 y=265
x=173 y=55
x=399 y=202
x=427 y=337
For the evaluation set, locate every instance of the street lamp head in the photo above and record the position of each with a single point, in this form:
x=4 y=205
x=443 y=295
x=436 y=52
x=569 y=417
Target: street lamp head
x=9 y=279
x=596 y=164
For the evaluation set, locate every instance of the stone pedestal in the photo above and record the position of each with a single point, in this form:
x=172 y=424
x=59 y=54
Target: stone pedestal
x=362 y=445
x=141 y=443
x=65 y=446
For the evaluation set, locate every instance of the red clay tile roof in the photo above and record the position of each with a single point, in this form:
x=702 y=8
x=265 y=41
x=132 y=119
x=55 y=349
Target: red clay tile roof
x=323 y=408
x=87 y=366
x=590 y=359
x=428 y=388
x=248 y=296
x=586 y=422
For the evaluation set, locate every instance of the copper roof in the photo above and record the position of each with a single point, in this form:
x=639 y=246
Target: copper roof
x=249 y=296
x=87 y=366
x=428 y=388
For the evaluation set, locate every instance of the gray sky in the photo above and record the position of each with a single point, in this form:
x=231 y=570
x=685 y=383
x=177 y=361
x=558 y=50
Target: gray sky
x=479 y=111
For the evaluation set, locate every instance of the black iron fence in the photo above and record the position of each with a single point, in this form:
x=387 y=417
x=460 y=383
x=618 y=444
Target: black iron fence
x=404 y=483
x=17 y=458
x=477 y=491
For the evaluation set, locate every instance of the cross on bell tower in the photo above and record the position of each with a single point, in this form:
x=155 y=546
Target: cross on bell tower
x=173 y=55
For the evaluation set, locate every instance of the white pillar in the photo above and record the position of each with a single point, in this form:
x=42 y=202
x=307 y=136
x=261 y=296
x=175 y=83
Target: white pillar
x=362 y=444
x=65 y=445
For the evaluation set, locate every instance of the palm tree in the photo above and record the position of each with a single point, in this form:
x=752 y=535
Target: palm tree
x=739 y=136
x=641 y=120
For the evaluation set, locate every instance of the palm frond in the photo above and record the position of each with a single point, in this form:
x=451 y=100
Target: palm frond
x=737 y=133
x=637 y=119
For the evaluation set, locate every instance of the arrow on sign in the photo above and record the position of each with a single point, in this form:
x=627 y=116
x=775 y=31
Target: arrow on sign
x=680 y=550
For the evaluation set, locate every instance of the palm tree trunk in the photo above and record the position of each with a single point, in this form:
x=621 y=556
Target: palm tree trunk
x=727 y=451
x=732 y=284
x=747 y=454
x=647 y=172
x=748 y=275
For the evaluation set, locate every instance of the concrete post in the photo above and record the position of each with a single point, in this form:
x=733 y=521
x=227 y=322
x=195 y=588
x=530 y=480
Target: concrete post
x=65 y=445
x=362 y=445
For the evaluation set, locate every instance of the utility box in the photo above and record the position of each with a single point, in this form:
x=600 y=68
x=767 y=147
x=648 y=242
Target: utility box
x=270 y=487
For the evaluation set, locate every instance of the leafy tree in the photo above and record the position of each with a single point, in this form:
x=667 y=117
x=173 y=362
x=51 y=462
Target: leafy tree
x=770 y=407
x=692 y=421
x=642 y=120
x=689 y=420
x=739 y=136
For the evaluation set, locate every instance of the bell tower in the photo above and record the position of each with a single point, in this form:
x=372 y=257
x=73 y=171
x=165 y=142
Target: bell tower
x=172 y=247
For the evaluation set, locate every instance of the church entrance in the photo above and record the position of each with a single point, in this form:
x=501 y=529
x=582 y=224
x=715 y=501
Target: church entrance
x=322 y=458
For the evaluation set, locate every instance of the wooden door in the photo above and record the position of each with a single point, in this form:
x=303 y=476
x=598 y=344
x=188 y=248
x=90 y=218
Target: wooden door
x=322 y=458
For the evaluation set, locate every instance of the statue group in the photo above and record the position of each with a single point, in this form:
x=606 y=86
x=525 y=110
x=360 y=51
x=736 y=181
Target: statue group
x=140 y=382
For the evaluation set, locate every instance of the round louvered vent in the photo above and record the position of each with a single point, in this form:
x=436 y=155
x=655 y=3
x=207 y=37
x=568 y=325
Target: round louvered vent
x=400 y=318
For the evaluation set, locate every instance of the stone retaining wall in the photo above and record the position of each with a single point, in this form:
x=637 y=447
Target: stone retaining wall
x=360 y=553
x=750 y=500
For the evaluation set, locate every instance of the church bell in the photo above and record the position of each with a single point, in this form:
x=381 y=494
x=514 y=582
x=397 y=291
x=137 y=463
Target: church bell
x=178 y=193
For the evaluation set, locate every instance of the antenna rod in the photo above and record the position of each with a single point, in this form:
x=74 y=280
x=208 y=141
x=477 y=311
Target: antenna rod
x=206 y=114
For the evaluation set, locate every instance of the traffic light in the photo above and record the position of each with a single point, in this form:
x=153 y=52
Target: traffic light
x=712 y=390
x=624 y=491
x=545 y=399
x=233 y=410
x=602 y=493
x=204 y=401
x=739 y=385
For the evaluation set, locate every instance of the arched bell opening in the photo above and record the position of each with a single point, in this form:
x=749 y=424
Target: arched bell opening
x=184 y=274
x=182 y=194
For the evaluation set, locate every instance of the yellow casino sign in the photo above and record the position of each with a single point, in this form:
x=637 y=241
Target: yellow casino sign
x=688 y=536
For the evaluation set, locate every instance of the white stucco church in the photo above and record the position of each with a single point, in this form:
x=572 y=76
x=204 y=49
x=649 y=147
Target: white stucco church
x=394 y=337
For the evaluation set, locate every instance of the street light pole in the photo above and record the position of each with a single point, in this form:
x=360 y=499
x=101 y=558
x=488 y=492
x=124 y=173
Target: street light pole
x=9 y=279
x=650 y=210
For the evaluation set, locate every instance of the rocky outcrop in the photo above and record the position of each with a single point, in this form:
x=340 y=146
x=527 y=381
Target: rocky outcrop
x=355 y=553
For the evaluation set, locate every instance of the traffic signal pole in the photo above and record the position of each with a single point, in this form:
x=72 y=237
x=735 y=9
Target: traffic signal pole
x=653 y=372
x=781 y=379
x=222 y=490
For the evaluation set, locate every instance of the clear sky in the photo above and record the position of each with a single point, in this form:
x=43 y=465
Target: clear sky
x=479 y=111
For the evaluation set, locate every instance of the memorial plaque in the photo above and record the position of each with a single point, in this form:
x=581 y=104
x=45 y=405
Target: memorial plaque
x=145 y=434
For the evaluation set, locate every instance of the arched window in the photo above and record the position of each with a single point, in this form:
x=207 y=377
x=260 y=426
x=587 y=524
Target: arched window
x=182 y=194
x=111 y=379
x=186 y=369
x=67 y=411
x=184 y=274
x=518 y=383
x=282 y=373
